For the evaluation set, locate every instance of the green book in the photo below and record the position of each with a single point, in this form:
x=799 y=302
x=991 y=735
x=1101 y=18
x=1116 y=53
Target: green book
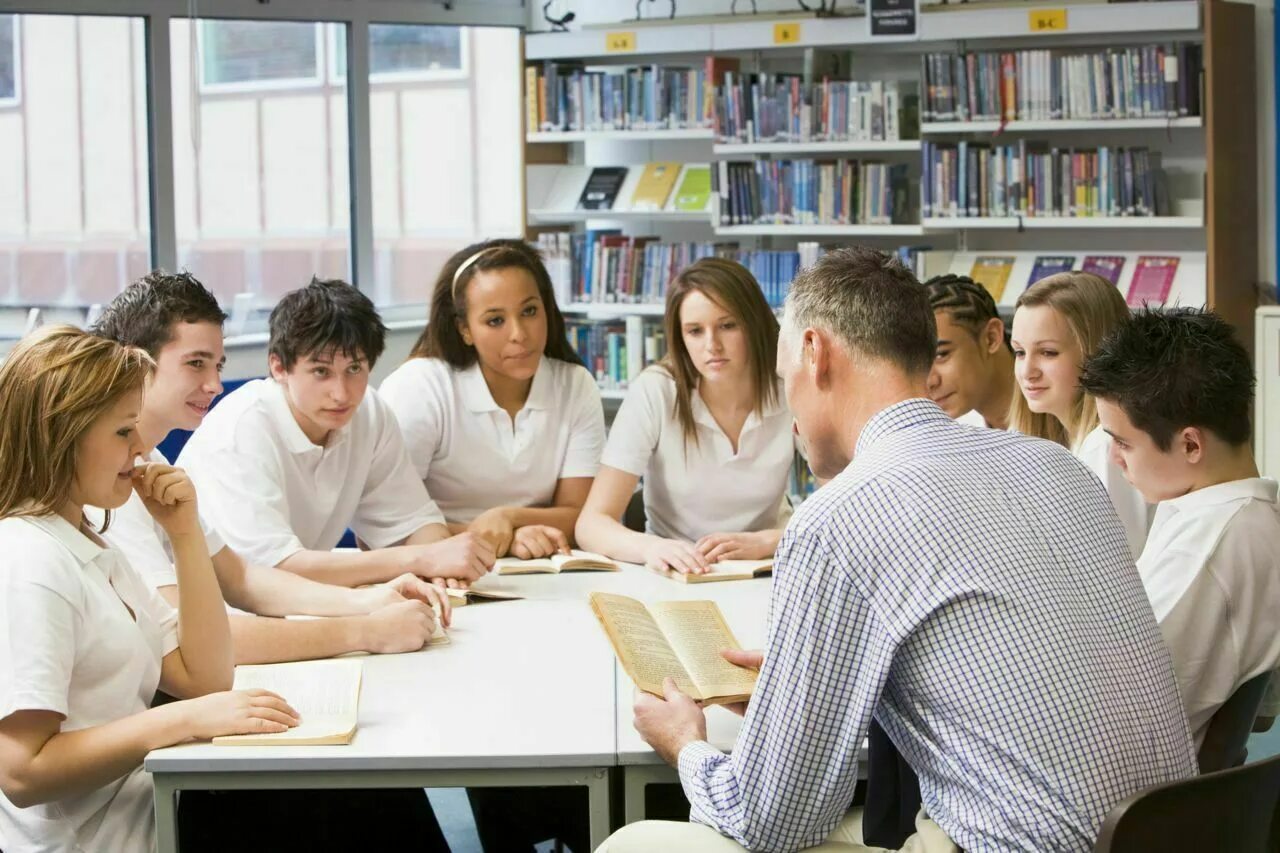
x=695 y=189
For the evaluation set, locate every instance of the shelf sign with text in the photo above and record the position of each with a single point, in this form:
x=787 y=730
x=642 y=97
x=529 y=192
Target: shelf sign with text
x=889 y=18
x=787 y=32
x=1047 y=20
x=620 y=42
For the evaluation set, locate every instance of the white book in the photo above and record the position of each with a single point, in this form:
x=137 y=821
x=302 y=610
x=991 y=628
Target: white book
x=325 y=693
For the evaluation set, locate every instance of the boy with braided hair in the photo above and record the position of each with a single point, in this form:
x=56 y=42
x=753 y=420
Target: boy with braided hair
x=972 y=375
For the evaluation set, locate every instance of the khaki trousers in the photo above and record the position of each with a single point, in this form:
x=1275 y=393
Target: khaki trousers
x=671 y=837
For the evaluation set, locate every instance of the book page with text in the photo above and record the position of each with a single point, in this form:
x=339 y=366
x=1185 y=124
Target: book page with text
x=643 y=650
x=326 y=693
x=697 y=632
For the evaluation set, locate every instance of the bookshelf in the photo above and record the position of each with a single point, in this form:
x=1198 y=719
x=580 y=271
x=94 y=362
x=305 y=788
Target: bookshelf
x=1210 y=159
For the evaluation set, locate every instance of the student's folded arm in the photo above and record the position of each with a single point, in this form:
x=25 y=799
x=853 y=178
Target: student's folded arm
x=566 y=505
x=794 y=766
x=348 y=568
x=271 y=592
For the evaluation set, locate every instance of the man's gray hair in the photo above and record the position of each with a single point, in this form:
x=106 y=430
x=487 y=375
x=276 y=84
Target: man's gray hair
x=871 y=302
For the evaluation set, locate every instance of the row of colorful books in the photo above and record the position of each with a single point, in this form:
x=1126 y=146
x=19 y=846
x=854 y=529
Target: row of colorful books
x=782 y=108
x=563 y=96
x=658 y=186
x=1028 y=179
x=616 y=351
x=810 y=192
x=1149 y=283
x=1150 y=81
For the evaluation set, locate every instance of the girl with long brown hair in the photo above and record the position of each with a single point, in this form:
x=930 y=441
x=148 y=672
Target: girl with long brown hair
x=1059 y=322
x=706 y=429
x=96 y=641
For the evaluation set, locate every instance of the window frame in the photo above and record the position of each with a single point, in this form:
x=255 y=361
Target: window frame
x=16 y=100
x=426 y=75
x=246 y=86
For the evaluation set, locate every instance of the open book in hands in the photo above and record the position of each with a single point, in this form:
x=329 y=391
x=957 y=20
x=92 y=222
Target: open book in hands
x=325 y=693
x=680 y=639
x=574 y=561
x=727 y=570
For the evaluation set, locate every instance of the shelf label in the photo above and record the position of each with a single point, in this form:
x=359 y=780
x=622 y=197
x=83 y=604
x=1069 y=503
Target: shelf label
x=892 y=19
x=620 y=42
x=786 y=33
x=1048 y=20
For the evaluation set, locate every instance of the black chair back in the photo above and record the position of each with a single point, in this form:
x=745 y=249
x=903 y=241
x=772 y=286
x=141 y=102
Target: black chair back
x=1228 y=732
x=1232 y=810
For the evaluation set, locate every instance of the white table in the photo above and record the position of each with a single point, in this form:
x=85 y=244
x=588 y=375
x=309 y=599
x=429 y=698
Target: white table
x=524 y=695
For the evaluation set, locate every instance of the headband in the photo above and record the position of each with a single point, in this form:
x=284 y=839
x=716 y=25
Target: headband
x=463 y=268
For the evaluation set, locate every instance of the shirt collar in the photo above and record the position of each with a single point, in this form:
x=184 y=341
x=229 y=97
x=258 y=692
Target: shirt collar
x=1253 y=488
x=897 y=417
x=84 y=549
x=702 y=414
x=477 y=397
x=294 y=438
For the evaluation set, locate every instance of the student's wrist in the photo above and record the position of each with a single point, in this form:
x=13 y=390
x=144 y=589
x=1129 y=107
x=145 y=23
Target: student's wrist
x=357 y=632
x=171 y=724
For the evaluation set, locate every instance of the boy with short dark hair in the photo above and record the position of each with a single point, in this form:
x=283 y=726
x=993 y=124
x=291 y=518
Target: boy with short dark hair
x=1174 y=391
x=284 y=465
x=179 y=323
x=972 y=375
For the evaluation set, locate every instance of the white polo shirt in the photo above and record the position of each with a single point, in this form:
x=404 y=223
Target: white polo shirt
x=1212 y=571
x=706 y=487
x=972 y=418
x=68 y=645
x=143 y=541
x=472 y=456
x=271 y=493
x=1134 y=511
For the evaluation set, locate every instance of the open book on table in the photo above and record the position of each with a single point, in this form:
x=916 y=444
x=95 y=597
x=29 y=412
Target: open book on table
x=326 y=693
x=463 y=597
x=574 y=561
x=726 y=570
x=681 y=639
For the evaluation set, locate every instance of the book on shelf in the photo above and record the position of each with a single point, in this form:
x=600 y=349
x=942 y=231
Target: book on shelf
x=556 y=248
x=655 y=185
x=1032 y=179
x=773 y=107
x=726 y=570
x=568 y=96
x=574 y=561
x=810 y=192
x=1146 y=81
x=1047 y=265
x=325 y=693
x=615 y=352
x=566 y=188
x=1104 y=266
x=693 y=191
x=681 y=640
x=602 y=187
x=1152 y=280
x=467 y=597
x=992 y=272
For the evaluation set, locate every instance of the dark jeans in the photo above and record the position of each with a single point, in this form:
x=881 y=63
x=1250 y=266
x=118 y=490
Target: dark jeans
x=387 y=819
x=893 y=793
x=513 y=820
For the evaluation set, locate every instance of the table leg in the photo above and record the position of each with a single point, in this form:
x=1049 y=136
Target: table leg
x=166 y=806
x=598 y=806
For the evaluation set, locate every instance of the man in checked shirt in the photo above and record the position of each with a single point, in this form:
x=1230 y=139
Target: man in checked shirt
x=971 y=589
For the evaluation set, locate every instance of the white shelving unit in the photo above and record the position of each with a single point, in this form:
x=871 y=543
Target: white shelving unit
x=552 y=217
x=749 y=149
x=819 y=231
x=942 y=128
x=549 y=136
x=1043 y=223
x=596 y=310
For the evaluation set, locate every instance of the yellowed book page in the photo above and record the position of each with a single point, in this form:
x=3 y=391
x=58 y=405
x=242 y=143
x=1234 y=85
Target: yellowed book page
x=513 y=566
x=638 y=642
x=583 y=561
x=726 y=570
x=326 y=693
x=698 y=633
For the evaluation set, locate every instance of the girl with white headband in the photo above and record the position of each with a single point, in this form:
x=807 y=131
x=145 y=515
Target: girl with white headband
x=502 y=421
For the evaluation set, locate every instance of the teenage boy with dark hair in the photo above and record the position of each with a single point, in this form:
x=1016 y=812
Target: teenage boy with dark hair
x=179 y=323
x=284 y=465
x=1174 y=390
x=972 y=375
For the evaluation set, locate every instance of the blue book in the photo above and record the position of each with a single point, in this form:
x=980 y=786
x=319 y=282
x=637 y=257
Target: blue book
x=1047 y=265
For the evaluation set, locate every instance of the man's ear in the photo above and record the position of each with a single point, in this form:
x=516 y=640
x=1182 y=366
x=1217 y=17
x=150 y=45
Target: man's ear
x=1190 y=443
x=816 y=352
x=276 y=366
x=993 y=335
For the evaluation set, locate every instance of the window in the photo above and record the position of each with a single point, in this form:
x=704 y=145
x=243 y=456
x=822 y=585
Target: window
x=75 y=219
x=8 y=60
x=446 y=158
x=408 y=52
x=261 y=178
x=237 y=55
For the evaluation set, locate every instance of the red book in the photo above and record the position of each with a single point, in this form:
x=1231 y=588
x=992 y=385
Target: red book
x=1152 y=279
